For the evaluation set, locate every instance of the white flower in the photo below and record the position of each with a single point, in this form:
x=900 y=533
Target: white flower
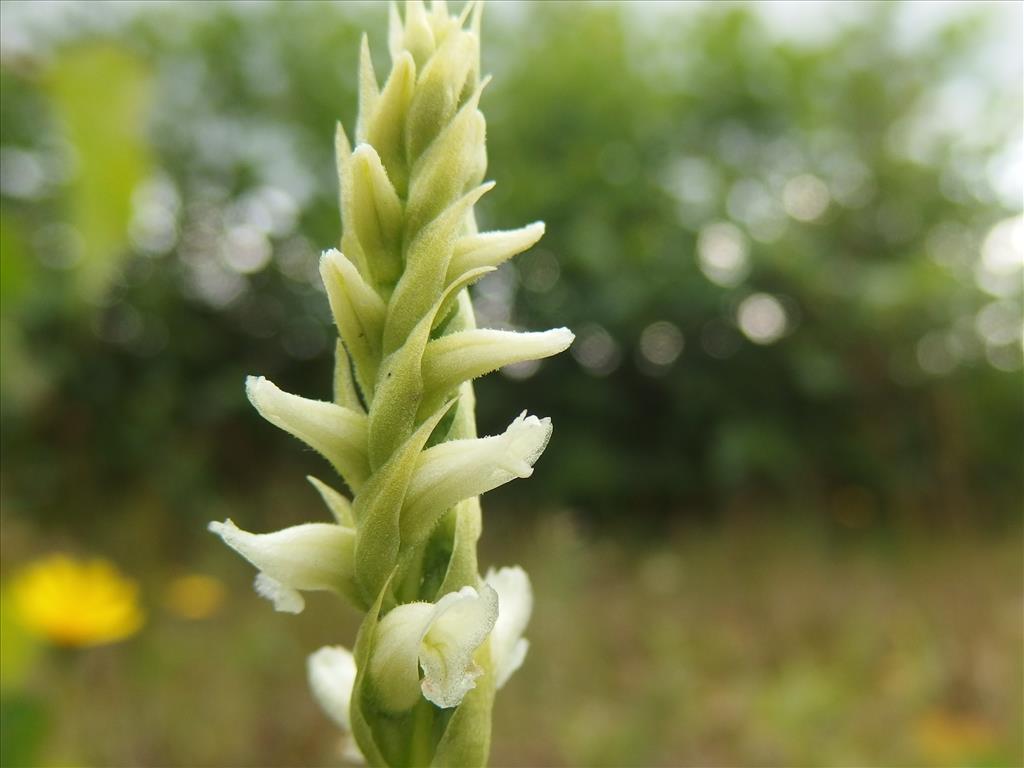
x=313 y=556
x=457 y=357
x=440 y=638
x=515 y=603
x=451 y=471
x=332 y=675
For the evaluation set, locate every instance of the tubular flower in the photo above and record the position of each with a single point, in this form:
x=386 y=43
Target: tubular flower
x=313 y=556
x=437 y=639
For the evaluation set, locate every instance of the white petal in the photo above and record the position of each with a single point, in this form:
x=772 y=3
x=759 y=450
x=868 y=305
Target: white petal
x=332 y=675
x=394 y=662
x=515 y=604
x=285 y=599
x=460 y=469
x=313 y=556
x=462 y=621
x=458 y=357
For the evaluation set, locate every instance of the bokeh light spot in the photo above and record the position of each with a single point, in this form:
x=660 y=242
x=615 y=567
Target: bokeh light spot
x=661 y=343
x=762 y=318
x=194 y=596
x=805 y=197
x=722 y=254
x=596 y=351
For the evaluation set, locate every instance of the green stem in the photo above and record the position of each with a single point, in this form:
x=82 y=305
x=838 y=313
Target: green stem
x=421 y=750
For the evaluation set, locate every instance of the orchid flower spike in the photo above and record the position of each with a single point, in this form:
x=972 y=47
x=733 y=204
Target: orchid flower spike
x=400 y=427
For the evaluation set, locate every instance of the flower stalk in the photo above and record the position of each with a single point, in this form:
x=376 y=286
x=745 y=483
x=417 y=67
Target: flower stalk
x=437 y=639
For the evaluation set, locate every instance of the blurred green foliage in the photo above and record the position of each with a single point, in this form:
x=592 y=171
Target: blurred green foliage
x=110 y=153
x=707 y=184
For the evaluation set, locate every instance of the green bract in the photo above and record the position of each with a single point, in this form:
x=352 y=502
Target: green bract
x=437 y=638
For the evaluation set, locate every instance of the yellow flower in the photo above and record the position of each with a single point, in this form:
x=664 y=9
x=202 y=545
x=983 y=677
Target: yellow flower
x=951 y=737
x=75 y=603
x=194 y=596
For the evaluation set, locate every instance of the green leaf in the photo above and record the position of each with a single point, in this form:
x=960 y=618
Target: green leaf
x=400 y=381
x=110 y=148
x=437 y=93
x=361 y=699
x=377 y=509
x=339 y=506
x=426 y=262
x=369 y=91
x=345 y=392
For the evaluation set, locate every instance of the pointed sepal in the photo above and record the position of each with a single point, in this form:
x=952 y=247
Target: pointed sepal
x=335 y=432
x=457 y=357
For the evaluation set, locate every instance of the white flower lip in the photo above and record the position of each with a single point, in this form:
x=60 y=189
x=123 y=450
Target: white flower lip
x=440 y=638
x=461 y=622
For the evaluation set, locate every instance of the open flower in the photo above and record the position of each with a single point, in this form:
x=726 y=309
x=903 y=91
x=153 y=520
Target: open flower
x=451 y=471
x=75 y=603
x=332 y=676
x=515 y=603
x=313 y=556
x=440 y=638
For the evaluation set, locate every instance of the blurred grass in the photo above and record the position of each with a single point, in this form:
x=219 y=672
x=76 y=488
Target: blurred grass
x=742 y=645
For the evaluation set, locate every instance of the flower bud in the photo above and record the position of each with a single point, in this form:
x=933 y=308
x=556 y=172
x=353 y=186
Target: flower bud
x=358 y=313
